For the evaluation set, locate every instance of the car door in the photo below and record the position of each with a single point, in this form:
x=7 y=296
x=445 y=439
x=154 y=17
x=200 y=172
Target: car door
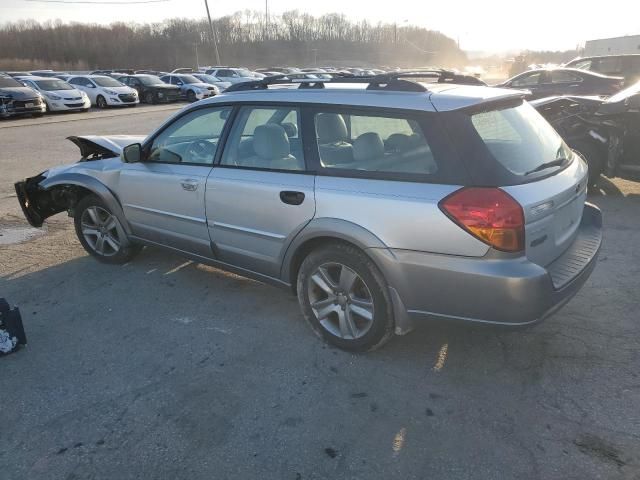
x=260 y=195
x=163 y=196
x=563 y=82
x=135 y=84
x=87 y=86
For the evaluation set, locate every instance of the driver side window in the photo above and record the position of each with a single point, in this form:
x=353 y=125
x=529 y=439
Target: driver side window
x=193 y=138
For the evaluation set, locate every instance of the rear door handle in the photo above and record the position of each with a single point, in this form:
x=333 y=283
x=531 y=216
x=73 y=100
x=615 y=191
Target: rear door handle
x=189 y=184
x=292 y=198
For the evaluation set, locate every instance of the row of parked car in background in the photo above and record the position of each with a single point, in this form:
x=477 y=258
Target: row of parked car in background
x=40 y=91
x=594 y=102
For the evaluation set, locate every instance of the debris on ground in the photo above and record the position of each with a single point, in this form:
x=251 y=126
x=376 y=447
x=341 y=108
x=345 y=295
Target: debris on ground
x=12 y=334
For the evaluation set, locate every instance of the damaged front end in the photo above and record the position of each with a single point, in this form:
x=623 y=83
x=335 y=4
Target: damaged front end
x=38 y=204
x=61 y=188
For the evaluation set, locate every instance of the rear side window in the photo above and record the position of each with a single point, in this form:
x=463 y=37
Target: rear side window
x=608 y=65
x=528 y=80
x=373 y=143
x=520 y=139
x=562 y=76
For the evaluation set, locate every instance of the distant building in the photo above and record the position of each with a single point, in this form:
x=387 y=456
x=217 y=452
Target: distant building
x=613 y=46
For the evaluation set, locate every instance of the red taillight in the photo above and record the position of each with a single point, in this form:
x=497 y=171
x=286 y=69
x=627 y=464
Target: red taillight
x=489 y=214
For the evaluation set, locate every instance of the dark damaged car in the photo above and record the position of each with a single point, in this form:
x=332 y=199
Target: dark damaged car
x=151 y=89
x=605 y=132
x=16 y=99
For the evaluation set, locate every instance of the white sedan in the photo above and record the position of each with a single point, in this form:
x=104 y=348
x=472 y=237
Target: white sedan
x=57 y=94
x=105 y=91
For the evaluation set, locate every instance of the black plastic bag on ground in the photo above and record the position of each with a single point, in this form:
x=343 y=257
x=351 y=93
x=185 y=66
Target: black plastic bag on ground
x=11 y=329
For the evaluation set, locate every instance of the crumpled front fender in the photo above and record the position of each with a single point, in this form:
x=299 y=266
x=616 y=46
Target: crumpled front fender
x=38 y=203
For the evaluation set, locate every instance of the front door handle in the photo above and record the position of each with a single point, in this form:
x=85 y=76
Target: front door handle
x=189 y=185
x=292 y=198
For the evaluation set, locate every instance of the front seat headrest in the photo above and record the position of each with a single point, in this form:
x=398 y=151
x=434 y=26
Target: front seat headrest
x=291 y=129
x=367 y=146
x=270 y=141
x=330 y=128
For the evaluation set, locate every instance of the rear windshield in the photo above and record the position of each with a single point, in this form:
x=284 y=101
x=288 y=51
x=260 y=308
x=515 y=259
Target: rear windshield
x=521 y=140
x=53 y=85
x=106 y=82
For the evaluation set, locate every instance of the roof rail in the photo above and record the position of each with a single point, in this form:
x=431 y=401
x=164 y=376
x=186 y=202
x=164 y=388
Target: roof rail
x=392 y=81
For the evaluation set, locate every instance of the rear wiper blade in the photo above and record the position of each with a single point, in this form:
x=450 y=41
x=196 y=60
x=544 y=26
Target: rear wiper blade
x=558 y=162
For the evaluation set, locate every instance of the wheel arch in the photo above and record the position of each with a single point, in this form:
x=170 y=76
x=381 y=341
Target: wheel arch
x=87 y=185
x=323 y=231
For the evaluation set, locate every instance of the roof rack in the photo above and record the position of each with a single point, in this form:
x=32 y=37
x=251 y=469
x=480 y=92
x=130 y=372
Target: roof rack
x=391 y=81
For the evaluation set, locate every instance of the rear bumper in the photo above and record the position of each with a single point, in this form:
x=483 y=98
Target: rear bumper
x=495 y=289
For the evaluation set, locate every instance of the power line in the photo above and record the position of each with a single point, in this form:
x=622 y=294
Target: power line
x=99 y=2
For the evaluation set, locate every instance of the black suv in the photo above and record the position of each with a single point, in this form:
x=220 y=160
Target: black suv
x=151 y=89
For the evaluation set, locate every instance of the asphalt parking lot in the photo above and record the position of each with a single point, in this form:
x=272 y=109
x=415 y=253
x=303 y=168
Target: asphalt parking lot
x=163 y=368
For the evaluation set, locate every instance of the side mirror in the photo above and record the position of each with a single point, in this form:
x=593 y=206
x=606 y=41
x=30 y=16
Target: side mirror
x=132 y=153
x=91 y=86
x=179 y=83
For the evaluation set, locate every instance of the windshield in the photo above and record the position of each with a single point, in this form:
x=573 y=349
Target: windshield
x=52 y=85
x=520 y=139
x=106 y=82
x=8 y=82
x=208 y=78
x=189 y=79
x=149 y=80
x=627 y=92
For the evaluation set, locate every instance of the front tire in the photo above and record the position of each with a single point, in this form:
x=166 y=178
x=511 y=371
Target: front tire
x=100 y=232
x=149 y=98
x=101 y=102
x=191 y=96
x=344 y=298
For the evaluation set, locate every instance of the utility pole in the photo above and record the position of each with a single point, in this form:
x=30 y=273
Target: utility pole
x=195 y=44
x=266 y=19
x=213 y=33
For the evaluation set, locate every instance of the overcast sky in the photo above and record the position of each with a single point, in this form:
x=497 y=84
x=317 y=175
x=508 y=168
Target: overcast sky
x=491 y=25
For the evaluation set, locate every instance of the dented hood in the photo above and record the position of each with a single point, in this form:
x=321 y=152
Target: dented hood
x=101 y=147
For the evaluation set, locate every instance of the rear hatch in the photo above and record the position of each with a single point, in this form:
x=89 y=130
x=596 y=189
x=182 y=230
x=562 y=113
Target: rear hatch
x=552 y=210
x=511 y=146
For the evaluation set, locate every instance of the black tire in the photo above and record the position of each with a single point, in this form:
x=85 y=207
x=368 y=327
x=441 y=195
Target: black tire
x=149 y=98
x=101 y=102
x=594 y=156
x=110 y=255
x=378 y=330
x=191 y=96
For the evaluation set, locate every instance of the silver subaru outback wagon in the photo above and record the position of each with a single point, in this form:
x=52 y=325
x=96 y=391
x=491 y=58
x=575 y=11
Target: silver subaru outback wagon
x=381 y=204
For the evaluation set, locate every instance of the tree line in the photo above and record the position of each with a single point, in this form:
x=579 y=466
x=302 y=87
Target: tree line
x=244 y=38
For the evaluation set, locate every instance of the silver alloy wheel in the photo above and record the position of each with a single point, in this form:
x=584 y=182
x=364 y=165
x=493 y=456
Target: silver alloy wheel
x=100 y=230
x=341 y=301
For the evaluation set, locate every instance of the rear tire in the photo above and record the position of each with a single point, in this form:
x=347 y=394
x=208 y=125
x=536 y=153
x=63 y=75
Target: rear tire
x=344 y=298
x=100 y=232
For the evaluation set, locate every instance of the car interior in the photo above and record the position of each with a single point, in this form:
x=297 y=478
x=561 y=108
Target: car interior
x=369 y=143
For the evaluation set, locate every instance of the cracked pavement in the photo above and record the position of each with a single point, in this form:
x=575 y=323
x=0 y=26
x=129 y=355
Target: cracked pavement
x=164 y=368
